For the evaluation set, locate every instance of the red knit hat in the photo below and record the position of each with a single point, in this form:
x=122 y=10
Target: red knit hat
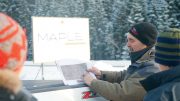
x=13 y=44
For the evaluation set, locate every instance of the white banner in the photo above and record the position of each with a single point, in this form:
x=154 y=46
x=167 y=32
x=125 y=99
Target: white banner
x=56 y=38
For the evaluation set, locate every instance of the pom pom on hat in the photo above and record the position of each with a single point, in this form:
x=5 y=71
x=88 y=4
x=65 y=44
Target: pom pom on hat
x=13 y=44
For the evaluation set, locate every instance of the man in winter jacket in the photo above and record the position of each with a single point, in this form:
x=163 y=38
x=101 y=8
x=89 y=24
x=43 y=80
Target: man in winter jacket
x=13 y=49
x=124 y=85
x=165 y=85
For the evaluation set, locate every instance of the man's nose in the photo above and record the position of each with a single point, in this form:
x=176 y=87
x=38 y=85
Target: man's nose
x=128 y=44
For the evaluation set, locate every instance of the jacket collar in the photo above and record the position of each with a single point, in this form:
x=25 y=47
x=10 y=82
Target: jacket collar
x=158 y=79
x=9 y=80
x=148 y=56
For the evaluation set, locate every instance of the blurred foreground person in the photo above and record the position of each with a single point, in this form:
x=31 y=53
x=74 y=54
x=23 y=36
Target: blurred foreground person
x=13 y=50
x=165 y=85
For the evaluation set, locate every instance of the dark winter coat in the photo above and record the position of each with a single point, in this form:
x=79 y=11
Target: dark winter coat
x=124 y=85
x=163 y=86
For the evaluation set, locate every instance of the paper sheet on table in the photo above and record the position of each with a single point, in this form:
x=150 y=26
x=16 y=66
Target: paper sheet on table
x=73 y=70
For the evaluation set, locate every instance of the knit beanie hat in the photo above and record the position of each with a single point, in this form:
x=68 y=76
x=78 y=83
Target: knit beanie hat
x=13 y=44
x=145 y=33
x=168 y=48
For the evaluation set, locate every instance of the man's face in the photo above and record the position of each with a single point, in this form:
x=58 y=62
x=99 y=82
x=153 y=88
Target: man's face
x=134 y=44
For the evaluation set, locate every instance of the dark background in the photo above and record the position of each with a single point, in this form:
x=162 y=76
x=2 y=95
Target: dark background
x=109 y=19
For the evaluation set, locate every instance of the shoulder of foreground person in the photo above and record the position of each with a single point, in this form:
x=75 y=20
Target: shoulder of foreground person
x=10 y=87
x=22 y=95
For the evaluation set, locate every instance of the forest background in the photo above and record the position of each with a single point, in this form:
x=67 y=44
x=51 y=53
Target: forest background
x=109 y=19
